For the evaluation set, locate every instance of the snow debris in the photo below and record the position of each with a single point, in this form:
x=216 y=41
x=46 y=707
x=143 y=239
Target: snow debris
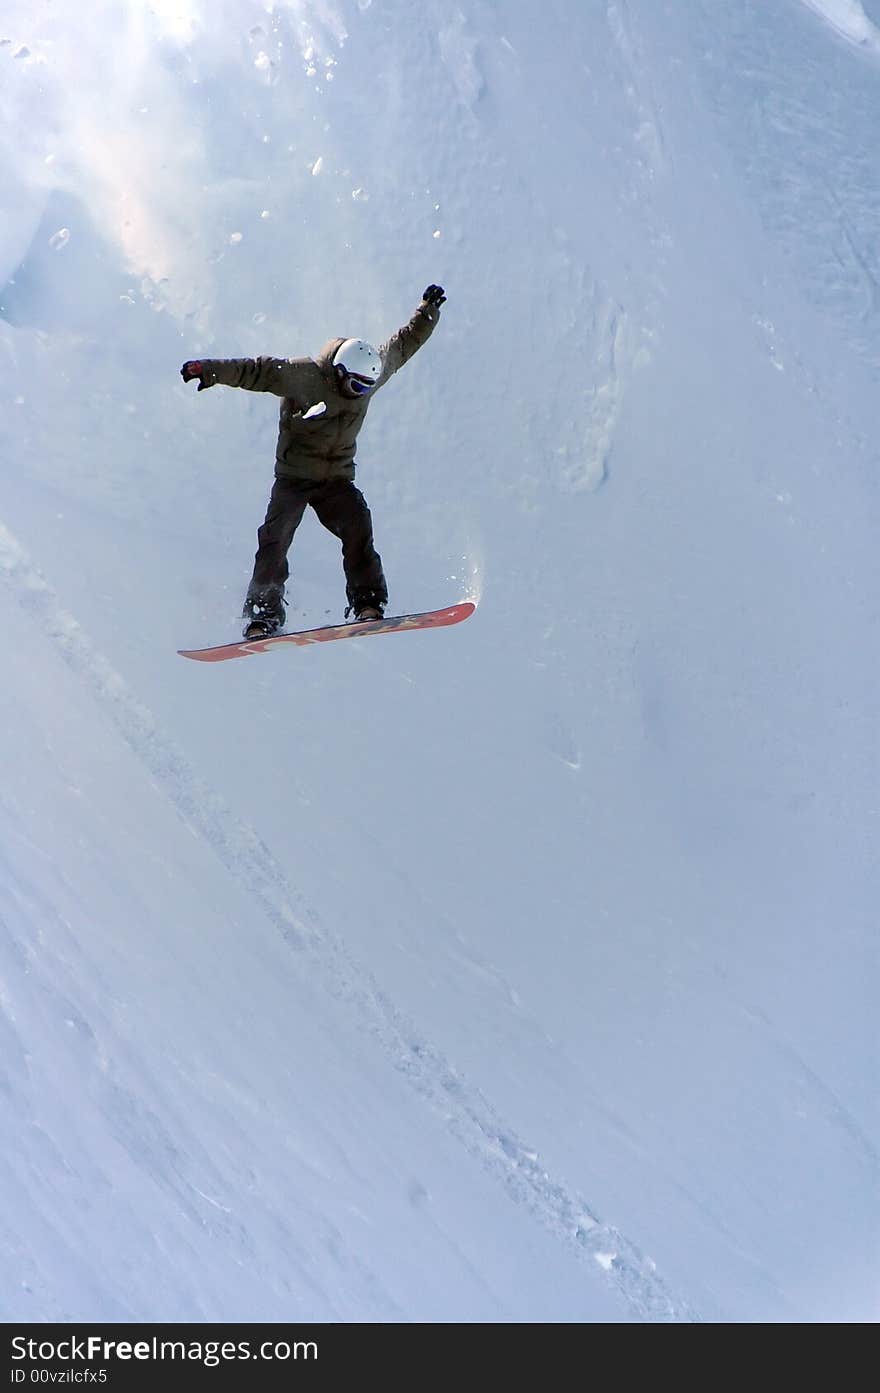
x=318 y=165
x=235 y=238
x=60 y=239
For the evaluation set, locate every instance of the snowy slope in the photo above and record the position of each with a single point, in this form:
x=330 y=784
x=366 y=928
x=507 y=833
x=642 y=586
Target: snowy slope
x=521 y=971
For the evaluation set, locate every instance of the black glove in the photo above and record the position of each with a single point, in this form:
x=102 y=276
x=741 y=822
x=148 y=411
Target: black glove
x=192 y=371
x=435 y=295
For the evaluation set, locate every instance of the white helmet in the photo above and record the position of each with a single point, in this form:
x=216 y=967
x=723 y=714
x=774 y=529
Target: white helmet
x=359 y=359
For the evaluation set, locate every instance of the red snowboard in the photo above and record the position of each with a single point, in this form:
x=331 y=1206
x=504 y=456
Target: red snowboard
x=246 y=648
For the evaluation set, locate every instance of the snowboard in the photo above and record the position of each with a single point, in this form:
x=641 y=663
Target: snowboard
x=248 y=648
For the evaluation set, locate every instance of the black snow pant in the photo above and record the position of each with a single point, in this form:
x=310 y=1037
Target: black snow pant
x=343 y=510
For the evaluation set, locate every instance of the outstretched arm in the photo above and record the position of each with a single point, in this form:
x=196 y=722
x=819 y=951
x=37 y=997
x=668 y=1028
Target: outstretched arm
x=408 y=340
x=277 y=375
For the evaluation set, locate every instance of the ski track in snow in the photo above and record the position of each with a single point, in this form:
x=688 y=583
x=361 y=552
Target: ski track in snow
x=468 y=1115
x=857 y=256
x=619 y=347
x=588 y=468
x=649 y=134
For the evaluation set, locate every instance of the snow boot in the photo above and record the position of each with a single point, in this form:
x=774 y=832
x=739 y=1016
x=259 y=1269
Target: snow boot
x=264 y=611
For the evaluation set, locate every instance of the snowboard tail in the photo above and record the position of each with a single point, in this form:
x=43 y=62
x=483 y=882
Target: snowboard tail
x=248 y=648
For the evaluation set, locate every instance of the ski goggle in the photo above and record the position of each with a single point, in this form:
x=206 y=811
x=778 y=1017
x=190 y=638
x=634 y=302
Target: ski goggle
x=359 y=385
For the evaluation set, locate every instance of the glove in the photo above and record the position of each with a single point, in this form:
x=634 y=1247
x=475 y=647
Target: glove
x=192 y=371
x=434 y=296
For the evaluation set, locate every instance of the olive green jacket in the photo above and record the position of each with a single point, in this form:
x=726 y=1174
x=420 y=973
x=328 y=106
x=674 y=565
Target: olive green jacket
x=314 y=443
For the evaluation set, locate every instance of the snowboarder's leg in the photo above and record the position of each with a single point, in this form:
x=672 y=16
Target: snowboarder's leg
x=343 y=509
x=264 y=602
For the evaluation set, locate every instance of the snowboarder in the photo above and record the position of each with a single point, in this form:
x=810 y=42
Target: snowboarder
x=324 y=404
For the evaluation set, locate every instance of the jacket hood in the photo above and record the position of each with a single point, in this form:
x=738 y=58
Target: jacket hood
x=325 y=357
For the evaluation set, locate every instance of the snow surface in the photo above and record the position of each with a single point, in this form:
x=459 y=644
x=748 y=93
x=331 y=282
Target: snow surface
x=525 y=971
